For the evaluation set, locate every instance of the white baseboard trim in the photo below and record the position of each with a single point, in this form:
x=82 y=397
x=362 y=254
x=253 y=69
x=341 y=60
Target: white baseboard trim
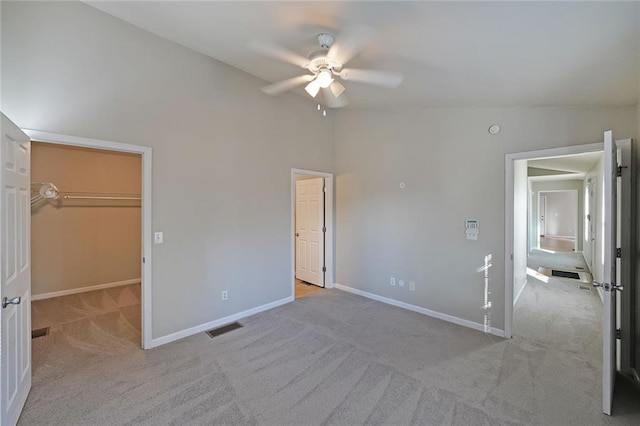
x=43 y=296
x=420 y=310
x=217 y=323
x=515 y=301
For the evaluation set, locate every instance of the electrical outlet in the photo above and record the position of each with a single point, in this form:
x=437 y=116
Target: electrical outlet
x=392 y=281
x=401 y=283
x=412 y=285
x=225 y=295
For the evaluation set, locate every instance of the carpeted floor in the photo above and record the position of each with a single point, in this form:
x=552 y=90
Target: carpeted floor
x=330 y=358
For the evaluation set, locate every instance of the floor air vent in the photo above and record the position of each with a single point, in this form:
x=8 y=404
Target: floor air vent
x=582 y=276
x=565 y=274
x=224 y=329
x=40 y=332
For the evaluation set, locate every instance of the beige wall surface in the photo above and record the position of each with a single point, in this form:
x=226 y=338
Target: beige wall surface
x=222 y=150
x=453 y=170
x=74 y=245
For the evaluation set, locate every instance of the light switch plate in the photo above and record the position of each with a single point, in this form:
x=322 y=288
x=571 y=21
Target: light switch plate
x=158 y=238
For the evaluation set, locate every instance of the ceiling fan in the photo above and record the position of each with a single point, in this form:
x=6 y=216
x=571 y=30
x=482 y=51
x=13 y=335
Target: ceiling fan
x=326 y=68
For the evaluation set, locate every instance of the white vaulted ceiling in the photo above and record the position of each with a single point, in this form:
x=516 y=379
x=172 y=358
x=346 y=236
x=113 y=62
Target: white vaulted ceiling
x=451 y=53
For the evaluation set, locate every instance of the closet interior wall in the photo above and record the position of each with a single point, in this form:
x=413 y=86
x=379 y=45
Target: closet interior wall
x=77 y=245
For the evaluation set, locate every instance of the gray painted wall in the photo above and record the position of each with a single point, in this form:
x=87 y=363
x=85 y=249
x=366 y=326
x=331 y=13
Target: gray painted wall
x=453 y=170
x=223 y=150
x=223 y=153
x=562 y=213
x=597 y=265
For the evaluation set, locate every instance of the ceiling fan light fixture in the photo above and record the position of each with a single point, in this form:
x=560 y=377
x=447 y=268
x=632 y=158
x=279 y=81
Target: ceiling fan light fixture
x=324 y=78
x=313 y=88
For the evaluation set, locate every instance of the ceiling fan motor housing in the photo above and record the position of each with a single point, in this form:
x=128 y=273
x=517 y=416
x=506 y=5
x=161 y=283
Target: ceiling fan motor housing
x=325 y=40
x=318 y=61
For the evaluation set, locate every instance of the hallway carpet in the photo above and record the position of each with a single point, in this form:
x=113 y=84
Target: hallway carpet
x=329 y=358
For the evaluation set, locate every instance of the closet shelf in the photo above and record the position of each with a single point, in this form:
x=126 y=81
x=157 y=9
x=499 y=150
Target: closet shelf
x=43 y=192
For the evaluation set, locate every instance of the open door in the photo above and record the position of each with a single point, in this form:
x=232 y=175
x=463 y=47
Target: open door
x=310 y=231
x=15 y=271
x=609 y=285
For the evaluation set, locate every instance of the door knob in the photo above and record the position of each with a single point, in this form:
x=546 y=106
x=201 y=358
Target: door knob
x=6 y=302
x=608 y=287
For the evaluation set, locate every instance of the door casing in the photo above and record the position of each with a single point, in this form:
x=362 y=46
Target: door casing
x=329 y=235
x=146 y=255
x=625 y=145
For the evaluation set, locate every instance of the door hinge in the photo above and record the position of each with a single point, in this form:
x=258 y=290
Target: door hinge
x=324 y=269
x=324 y=189
x=618 y=252
x=324 y=229
x=618 y=334
x=144 y=260
x=619 y=171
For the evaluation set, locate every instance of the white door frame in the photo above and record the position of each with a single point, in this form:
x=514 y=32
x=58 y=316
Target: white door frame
x=510 y=159
x=328 y=222
x=575 y=219
x=627 y=201
x=542 y=222
x=146 y=261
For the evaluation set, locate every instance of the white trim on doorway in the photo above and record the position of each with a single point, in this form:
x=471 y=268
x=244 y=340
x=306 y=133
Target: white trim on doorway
x=329 y=214
x=146 y=261
x=510 y=159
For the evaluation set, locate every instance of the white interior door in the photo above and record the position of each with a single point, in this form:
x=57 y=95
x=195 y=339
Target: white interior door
x=609 y=284
x=310 y=231
x=15 y=267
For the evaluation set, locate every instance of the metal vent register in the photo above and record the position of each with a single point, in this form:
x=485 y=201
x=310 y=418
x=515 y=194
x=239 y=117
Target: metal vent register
x=224 y=329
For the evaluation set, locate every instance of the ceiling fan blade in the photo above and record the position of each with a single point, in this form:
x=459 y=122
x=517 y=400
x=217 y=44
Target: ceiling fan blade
x=333 y=101
x=379 y=78
x=284 y=85
x=349 y=44
x=280 y=53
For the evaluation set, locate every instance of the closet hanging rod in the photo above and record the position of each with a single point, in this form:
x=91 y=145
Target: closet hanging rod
x=92 y=197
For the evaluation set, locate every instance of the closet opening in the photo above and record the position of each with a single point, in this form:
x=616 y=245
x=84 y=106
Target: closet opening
x=86 y=244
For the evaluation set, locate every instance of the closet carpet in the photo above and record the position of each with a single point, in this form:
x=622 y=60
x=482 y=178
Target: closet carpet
x=329 y=358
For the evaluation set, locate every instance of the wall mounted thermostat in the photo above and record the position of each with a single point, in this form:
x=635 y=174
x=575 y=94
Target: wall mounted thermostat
x=472 y=229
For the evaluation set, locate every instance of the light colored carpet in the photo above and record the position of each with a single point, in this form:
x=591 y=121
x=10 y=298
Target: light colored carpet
x=330 y=358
